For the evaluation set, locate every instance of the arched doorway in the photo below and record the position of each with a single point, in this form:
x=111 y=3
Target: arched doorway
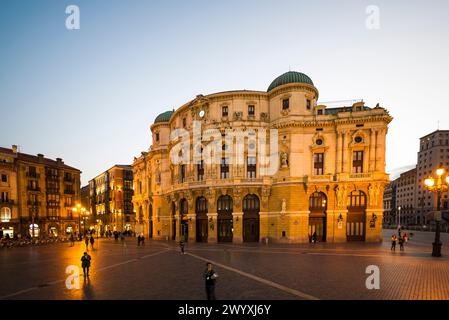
x=173 y=221
x=355 y=222
x=150 y=218
x=224 y=219
x=317 y=216
x=201 y=219
x=251 y=221
x=183 y=225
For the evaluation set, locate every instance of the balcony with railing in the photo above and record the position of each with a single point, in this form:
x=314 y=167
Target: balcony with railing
x=7 y=201
x=52 y=177
x=69 y=191
x=33 y=175
x=33 y=203
x=53 y=190
x=33 y=188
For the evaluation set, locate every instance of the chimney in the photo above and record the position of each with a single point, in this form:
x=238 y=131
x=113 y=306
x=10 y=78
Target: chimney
x=14 y=148
x=59 y=161
x=40 y=156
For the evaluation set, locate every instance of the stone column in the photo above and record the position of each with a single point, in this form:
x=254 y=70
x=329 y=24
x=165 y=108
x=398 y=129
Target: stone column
x=346 y=153
x=178 y=227
x=372 y=151
x=338 y=160
x=192 y=227
x=380 y=151
x=336 y=225
x=213 y=227
x=264 y=226
x=238 y=227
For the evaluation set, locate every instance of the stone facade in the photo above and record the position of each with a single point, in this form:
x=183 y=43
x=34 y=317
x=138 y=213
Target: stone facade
x=41 y=192
x=328 y=180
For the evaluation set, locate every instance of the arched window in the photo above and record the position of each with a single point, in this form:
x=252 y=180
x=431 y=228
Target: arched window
x=224 y=203
x=5 y=214
x=251 y=202
x=183 y=207
x=317 y=201
x=357 y=199
x=201 y=205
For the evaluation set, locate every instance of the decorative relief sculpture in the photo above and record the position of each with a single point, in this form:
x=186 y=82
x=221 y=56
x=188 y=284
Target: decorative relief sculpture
x=284 y=160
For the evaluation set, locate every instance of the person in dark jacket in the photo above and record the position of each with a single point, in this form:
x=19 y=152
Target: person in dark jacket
x=85 y=263
x=92 y=240
x=86 y=241
x=211 y=277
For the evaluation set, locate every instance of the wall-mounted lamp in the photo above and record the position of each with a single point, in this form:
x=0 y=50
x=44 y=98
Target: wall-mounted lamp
x=340 y=218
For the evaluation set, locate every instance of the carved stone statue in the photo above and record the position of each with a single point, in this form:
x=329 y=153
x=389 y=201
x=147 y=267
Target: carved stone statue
x=284 y=206
x=284 y=160
x=341 y=195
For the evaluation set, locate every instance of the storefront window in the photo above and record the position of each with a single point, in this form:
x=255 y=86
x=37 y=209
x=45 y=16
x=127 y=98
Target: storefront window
x=5 y=214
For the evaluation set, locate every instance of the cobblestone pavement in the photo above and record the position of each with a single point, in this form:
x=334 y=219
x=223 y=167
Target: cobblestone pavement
x=246 y=271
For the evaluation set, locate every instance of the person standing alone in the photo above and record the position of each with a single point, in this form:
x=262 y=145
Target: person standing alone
x=211 y=277
x=85 y=263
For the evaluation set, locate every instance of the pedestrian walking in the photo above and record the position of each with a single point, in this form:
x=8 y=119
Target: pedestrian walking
x=142 y=239
x=405 y=237
x=72 y=240
x=211 y=277
x=92 y=240
x=85 y=263
x=181 y=245
x=138 y=240
x=393 y=242
x=314 y=237
x=86 y=241
x=401 y=244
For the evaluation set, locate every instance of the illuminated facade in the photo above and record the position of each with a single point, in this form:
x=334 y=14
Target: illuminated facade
x=39 y=192
x=328 y=180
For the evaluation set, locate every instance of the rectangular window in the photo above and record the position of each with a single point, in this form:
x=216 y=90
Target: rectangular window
x=224 y=111
x=157 y=136
x=320 y=112
x=224 y=168
x=285 y=104
x=308 y=104
x=251 y=110
x=251 y=167
x=184 y=122
x=318 y=164
x=200 y=171
x=4 y=178
x=182 y=172
x=357 y=162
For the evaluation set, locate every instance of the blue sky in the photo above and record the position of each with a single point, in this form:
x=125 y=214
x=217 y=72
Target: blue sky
x=90 y=95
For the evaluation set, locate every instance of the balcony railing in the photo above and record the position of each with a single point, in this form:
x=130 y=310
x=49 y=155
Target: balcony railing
x=33 y=203
x=52 y=177
x=69 y=191
x=35 y=189
x=6 y=201
x=69 y=179
x=53 y=190
x=34 y=175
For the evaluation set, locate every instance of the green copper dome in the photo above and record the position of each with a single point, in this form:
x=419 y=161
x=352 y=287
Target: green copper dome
x=290 y=77
x=163 y=117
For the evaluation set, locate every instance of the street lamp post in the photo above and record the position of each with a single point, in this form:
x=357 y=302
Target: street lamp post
x=399 y=217
x=80 y=210
x=437 y=186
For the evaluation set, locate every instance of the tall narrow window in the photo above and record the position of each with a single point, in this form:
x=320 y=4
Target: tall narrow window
x=157 y=136
x=184 y=122
x=318 y=164
x=308 y=104
x=251 y=167
x=285 y=104
x=357 y=162
x=251 y=110
x=224 y=168
x=200 y=171
x=224 y=111
x=182 y=172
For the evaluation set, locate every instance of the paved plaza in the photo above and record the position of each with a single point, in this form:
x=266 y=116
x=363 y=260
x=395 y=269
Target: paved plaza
x=247 y=271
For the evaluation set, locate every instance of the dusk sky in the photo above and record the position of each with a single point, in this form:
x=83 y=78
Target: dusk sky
x=90 y=95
